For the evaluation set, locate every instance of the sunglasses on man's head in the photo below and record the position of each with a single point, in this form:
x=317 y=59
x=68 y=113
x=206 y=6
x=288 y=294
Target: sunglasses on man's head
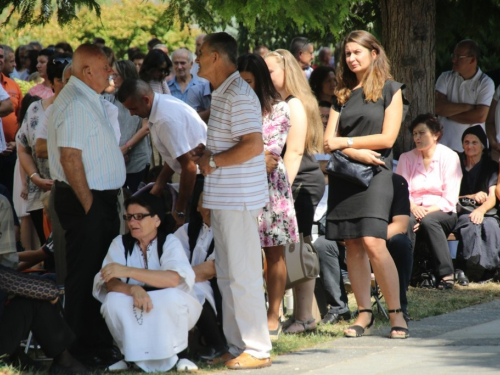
x=62 y=60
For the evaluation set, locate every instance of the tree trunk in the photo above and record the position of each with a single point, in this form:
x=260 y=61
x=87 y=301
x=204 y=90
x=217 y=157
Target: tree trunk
x=409 y=38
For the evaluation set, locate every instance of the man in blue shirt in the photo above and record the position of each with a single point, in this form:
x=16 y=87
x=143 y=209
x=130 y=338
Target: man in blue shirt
x=183 y=81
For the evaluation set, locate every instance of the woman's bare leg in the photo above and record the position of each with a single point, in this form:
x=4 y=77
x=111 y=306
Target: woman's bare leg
x=358 y=267
x=275 y=281
x=386 y=275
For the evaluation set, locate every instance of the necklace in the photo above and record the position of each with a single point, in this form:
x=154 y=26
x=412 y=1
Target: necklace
x=147 y=253
x=138 y=317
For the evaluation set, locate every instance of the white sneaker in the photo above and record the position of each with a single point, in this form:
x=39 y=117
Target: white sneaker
x=186 y=365
x=118 y=366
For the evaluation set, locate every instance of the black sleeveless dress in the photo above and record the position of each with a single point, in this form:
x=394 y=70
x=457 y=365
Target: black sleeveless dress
x=307 y=189
x=354 y=211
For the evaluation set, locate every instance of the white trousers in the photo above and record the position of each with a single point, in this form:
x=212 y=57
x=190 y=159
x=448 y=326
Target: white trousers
x=238 y=262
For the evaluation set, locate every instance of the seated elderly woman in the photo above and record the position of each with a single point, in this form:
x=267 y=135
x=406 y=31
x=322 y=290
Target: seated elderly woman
x=146 y=289
x=477 y=229
x=433 y=173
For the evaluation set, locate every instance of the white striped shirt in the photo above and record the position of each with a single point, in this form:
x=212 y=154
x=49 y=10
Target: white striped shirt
x=235 y=111
x=78 y=120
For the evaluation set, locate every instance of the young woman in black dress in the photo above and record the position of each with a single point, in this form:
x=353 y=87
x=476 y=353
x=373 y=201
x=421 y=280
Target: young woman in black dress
x=370 y=106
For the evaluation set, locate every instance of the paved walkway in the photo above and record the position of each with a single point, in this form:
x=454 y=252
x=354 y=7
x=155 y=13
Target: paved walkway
x=462 y=342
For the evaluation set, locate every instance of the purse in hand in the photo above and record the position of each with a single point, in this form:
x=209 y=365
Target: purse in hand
x=342 y=166
x=302 y=263
x=467 y=205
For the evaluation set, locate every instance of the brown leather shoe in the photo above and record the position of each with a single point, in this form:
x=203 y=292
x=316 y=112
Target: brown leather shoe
x=222 y=359
x=246 y=361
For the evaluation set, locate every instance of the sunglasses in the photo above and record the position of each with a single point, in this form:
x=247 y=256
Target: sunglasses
x=136 y=217
x=62 y=60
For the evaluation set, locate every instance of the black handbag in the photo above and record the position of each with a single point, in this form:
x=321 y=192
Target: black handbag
x=342 y=166
x=467 y=205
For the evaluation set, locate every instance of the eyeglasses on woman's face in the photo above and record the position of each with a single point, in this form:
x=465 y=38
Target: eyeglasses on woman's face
x=136 y=217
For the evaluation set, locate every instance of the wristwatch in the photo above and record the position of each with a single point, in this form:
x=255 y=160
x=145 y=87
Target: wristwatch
x=180 y=214
x=211 y=162
x=350 y=142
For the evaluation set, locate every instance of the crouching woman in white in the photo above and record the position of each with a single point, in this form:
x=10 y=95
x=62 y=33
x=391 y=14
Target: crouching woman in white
x=145 y=287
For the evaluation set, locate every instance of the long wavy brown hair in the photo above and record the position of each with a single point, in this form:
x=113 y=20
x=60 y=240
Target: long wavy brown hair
x=296 y=84
x=374 y=79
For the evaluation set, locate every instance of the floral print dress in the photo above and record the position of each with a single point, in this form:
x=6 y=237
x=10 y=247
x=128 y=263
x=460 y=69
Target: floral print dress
x=26 y=137
x=277 y=222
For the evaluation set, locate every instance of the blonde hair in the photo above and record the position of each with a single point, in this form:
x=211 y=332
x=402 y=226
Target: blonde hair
x=296 y=84
x=374 y=79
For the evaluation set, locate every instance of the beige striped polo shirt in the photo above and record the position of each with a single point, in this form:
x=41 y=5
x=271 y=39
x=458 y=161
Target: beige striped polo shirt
x=235 y=111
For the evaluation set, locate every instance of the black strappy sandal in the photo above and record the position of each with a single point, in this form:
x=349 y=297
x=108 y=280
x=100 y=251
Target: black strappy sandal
x=360 y=331
x=398 y=332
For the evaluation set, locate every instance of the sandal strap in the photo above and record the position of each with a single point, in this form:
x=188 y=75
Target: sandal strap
x=365 y=310
x=396 y=311
x=402 y=329
x=305 y=323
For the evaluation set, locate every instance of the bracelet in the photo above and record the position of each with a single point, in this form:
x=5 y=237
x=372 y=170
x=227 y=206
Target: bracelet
x=34 y=173
x=180 y=214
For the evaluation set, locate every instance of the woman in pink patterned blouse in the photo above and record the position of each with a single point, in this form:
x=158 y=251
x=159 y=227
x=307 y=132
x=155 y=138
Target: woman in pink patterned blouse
x=44 y=89
x=434 y=174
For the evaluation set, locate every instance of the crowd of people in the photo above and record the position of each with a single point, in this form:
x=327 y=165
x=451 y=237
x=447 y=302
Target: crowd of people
x=145 y=255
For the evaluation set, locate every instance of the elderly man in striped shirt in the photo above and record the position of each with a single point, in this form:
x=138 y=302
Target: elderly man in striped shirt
x=88 y=167
x=235 y=190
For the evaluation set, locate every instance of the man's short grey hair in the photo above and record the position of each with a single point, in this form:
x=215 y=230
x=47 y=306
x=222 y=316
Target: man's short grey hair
x=160 y=46
x=67 y=67
x=133 y=88
x=183 y=50
x=7 y=49
x=200 y=36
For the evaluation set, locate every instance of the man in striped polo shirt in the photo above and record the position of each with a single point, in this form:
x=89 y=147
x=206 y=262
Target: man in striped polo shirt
x=89 y=169
x=235 y=191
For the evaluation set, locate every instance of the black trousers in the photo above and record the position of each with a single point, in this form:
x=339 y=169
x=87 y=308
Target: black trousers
x=331 y=256
x=134 y=179
x=88 y=237
x=7 y=165
x=434 y=230
x=22 y=315
x=37 y=218
x=209 y=328
x=401 y=250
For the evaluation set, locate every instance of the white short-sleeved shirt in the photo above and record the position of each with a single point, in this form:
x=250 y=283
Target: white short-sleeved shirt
x=79 y=120
x=478 y=90
x=175 y=128
x=235 y=112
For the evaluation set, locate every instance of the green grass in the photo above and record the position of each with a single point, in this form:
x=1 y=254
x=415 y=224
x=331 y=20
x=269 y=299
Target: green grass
x=422 y=304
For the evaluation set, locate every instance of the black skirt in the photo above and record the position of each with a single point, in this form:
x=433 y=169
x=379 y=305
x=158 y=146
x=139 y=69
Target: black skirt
x=355 y=212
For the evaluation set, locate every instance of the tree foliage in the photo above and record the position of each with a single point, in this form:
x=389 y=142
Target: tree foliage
x=122 y=24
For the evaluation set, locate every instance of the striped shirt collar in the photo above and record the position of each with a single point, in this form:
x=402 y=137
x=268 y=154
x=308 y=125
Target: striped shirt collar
x=225 y=85
x=84 y=87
